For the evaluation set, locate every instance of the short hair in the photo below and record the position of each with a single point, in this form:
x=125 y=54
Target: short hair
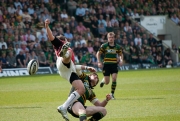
x=111 y=34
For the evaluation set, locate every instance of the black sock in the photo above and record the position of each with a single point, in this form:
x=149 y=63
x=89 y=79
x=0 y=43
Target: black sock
x=96 y=117
x=113 y=87
x=82 y=117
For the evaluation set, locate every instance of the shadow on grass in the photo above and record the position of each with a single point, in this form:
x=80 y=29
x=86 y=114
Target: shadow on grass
x=148 y=98
x=18 y=107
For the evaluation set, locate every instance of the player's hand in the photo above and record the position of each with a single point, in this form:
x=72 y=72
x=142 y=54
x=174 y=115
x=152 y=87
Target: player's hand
x=108 y=97
x=91 y=69
x=47 y=22
x=99 y=64
x=121 y=63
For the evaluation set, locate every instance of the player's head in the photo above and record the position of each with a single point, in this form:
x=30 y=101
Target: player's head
x=111 y=36
x=94 y=79
x=62 y=38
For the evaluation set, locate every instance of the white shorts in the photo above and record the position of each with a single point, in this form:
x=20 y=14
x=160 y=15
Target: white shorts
x=63 y=70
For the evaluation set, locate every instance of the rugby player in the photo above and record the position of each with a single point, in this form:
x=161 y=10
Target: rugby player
x=66 y=69
x=112 y=56
x=78 y=108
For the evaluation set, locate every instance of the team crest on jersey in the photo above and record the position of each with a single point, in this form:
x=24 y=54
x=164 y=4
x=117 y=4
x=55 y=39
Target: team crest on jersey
x=86 y=85
x=111 y=51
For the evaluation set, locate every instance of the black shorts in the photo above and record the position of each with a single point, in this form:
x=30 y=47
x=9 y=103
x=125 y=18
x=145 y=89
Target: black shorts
x=73 y=76
x=110 y=69
x=69 y=109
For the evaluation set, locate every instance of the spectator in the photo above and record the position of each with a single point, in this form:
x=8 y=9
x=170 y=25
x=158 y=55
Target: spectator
x=68 y=35
x=138 y=39
x=11 y=9
x=17 y=49
x=90 y=48
x=64 y=14
x=87 y=19
x=159 y=60
x=143 y=57
x=152 y=41
x=127 y=27
x=2 y=42
x=81 y=28
x=42 y=60
x=17 y=3
x=167 y=58
x=80 y=12
x=72 y=5
x=101 y=20
x=4 y=60
x=94 y=26
x=50 y=60
x=175 y=19
x=20 y=59
x=111 y=9
x=88 y=34
x=146 y=46
x=114 y=20
x=31 y=9
x=84 y=48
x=126 y=52
x=27 y=57
x=134 y=56
x=42 y=35
x=102 y=30
x=33 y=56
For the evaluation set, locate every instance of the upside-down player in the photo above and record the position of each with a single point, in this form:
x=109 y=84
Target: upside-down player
x=66 y=69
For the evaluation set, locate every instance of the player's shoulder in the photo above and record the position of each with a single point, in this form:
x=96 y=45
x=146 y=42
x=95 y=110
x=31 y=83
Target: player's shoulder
x=104 y=44
x=118 y=46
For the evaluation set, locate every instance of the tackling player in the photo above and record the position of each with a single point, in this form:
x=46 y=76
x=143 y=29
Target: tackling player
x=78 y=108
x=112 y=56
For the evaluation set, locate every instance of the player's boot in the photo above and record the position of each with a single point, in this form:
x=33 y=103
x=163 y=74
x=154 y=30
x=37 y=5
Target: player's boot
x=64 y=49
x=63 y=112
x=112 y=97
x=101 y=84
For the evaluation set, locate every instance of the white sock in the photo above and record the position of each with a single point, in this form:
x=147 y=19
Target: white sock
x=72 y=97
x=67 y=54
x=102 y=80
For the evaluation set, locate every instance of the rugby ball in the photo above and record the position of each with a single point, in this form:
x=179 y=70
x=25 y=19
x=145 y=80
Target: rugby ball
x=32 y=67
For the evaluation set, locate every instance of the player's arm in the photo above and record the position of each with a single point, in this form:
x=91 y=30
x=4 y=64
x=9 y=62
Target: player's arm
x=98 y=55
x=121 y=57
x=79 y=69
x=104 y=102
x=49 y=32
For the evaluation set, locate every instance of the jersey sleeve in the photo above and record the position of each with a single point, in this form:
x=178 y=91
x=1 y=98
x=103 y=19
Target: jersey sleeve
x=102 y=49
x=57 y=44
x=92 y=98
x=119 y=50
x=82 y=76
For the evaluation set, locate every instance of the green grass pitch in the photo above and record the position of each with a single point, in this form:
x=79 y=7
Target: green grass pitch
x=142 y=95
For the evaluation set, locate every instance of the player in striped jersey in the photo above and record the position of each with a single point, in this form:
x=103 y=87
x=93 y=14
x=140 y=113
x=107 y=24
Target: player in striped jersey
x=78 y=108
x=112 y=56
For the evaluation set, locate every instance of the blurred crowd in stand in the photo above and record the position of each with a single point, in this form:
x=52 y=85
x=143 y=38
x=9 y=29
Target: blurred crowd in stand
x=85 y=24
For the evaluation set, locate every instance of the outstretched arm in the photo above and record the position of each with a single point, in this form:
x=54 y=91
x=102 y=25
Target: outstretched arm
x=81 y=67
x=104 y=102
x=49 y=32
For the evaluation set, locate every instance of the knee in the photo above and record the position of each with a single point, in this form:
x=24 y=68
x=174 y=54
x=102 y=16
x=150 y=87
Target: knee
x=104 y=111
x=114 y=79
x=81 y=90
